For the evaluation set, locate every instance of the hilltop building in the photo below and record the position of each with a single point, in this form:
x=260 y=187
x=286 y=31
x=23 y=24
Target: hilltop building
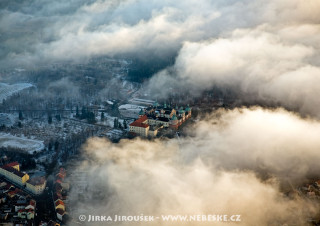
x=155 y=117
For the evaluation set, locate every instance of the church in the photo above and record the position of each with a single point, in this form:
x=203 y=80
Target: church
x=156 y=117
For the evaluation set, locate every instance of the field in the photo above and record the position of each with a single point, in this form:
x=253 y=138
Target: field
x=27 y=145
x=130 y=110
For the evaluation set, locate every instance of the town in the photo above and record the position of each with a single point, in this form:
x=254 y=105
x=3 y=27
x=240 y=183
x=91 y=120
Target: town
x=41 y=139
x=25 y=200
x=156 y=117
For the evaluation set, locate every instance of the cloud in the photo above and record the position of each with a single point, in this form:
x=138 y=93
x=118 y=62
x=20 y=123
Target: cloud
x=219 y=167
x=46 y=31
x=260 y=65
x=62 y=87
x=268 y=141
x=233 y=161
x=81 y=30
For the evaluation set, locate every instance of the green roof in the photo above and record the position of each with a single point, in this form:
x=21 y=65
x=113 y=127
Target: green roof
x=174 y=117
x=141 y=112
x=188 y=108
x=181 y=110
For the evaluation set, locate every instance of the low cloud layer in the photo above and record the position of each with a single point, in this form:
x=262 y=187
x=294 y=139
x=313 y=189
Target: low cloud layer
x=45 y=31
x=220 y=167
x=265 y=51
x=261 y=66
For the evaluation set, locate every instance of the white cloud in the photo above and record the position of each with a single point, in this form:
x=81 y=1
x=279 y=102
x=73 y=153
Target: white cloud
x=217 y=169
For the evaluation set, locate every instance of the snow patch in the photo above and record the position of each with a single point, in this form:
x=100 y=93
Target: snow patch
x=7 y=90
x=7 y=119
x=28 y=145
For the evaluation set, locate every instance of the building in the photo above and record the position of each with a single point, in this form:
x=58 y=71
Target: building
x=14 y=165
x=12 y=173
x=140 y=126
x=156 y=117
x=60 y=205
x=28 y=210
x=36 y=185
x=60 y=213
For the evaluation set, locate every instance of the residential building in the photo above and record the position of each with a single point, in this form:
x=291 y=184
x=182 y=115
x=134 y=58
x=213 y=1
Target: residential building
x=36 y=185
x=12 y=173
x=60 y=213
x=59 y=205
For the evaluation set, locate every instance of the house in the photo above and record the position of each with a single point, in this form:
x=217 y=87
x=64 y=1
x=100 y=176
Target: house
x=19 y=206
x=58 y=181
x=12 y=194
x=26 y=214
x=14 y=165
x=59 y=205
x=31 y=205
x=60 y=213
x=26 y=210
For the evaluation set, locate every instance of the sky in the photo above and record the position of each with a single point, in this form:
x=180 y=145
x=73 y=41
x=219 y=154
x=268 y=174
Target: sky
x=232 y=161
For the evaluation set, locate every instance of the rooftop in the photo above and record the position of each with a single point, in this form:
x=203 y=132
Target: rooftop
x=12 y=164
x=13 y=170
x=37 y=181
x=59 y=202
x=139 y=122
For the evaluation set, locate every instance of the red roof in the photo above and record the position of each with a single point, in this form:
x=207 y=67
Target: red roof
x=60 y=175
x=139 y=122
x=32 y=202
x=59 y=202
x=62 y=171
x=12 y=164
x=13 y=170
x=11 y=193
